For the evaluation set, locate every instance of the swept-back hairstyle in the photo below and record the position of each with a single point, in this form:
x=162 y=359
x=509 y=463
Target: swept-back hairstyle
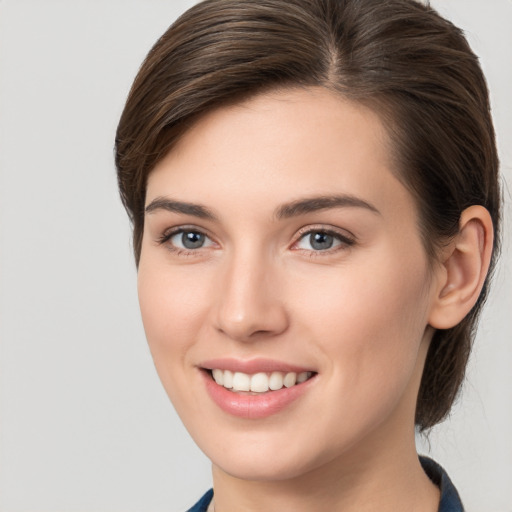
x=399 y=57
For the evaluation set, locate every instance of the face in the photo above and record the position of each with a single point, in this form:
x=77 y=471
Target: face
x=284 y=287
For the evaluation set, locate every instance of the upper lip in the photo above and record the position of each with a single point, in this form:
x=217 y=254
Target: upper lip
x=252 y=366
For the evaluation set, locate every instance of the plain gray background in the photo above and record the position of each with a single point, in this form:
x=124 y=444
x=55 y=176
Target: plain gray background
x=84 y=422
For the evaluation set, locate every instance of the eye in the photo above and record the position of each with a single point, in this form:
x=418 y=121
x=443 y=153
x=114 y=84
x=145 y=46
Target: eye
x=322 y=240
x=187 y=239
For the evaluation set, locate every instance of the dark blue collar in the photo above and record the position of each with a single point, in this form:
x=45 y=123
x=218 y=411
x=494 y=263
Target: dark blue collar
x=202 y=504
x=450 y=499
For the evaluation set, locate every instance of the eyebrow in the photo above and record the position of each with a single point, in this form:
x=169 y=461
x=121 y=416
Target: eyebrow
x=285 y=211
x=317 y=203
x=171 y=205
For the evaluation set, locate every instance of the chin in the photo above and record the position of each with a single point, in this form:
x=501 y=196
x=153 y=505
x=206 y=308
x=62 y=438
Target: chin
x=267 y=459
x=268 y=469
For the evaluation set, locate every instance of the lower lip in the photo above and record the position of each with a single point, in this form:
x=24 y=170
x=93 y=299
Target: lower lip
x=254 y=406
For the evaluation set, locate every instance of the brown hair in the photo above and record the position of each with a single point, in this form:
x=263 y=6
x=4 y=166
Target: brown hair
x=399 y=57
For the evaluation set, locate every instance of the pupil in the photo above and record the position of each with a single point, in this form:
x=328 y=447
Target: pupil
x=321 y=241
x=192 y=240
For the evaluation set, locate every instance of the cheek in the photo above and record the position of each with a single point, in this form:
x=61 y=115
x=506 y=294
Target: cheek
x=173 y=304
x=383 y=293
x=369 y=319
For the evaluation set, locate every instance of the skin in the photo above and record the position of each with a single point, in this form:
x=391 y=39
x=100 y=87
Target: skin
x=358 y=314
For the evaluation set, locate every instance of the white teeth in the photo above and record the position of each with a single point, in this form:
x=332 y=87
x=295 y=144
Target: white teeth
x=276 y=381
x=218 y=375
x=302 y=377
x=241 y=382
x=259 y=382
x=228 y=379
x=290 y=379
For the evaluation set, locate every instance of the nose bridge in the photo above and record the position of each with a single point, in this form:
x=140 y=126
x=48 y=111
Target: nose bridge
x=249 y=301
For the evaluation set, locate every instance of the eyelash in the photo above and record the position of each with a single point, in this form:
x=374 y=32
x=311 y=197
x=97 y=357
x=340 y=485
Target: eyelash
x=167 y=235
x=345 y=240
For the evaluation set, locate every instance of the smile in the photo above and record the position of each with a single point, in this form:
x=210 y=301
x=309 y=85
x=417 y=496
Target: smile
x=255 y=389
x=260 y=382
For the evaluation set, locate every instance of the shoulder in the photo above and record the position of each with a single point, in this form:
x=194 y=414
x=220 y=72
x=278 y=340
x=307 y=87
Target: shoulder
x=450 y=499
x=202 y=504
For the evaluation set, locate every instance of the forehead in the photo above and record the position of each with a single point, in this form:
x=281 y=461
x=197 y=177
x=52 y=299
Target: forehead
x=278 y=146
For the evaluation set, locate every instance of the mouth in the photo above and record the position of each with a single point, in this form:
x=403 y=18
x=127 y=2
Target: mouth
x=257 y=383
x=255 y=389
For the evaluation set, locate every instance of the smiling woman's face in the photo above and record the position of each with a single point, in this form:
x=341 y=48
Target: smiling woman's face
x=280 y=250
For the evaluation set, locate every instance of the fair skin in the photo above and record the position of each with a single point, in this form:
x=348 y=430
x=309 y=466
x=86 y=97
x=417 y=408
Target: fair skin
x=241 y=271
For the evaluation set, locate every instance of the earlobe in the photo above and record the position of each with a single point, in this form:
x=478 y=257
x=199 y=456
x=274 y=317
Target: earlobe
x=463 y=269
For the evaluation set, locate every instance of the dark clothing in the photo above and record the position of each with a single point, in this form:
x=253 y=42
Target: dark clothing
x=450 y=500
x=202 y=504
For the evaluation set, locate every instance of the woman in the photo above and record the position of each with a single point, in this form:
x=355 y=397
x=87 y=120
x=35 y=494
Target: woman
x=314 y=195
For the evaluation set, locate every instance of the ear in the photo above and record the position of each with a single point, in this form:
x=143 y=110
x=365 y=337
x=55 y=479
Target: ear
x=463 y=269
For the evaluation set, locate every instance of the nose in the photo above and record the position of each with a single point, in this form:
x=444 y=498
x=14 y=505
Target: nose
x=250 y=305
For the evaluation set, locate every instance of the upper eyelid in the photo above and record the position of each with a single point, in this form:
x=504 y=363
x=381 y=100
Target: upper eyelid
x=342 y=233
x=186 y=227
x=168 y=233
